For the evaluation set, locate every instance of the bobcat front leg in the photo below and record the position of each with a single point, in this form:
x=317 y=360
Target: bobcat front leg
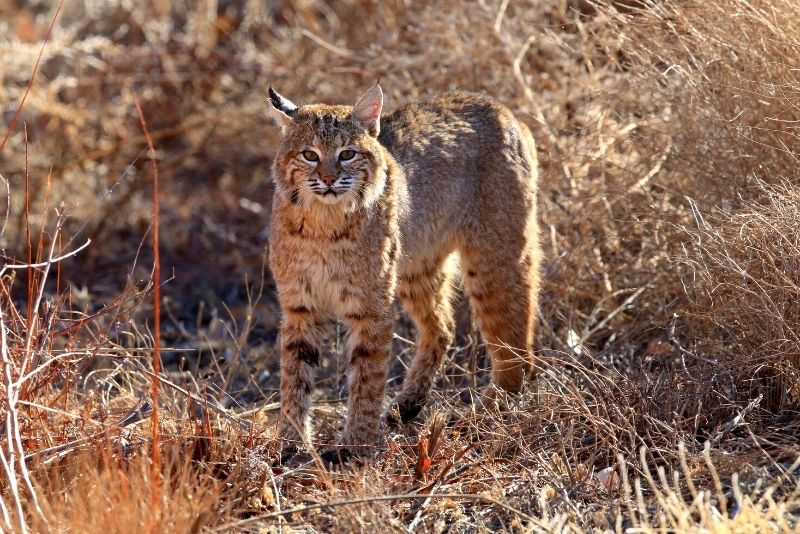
x=300 y=355
x=369 y=347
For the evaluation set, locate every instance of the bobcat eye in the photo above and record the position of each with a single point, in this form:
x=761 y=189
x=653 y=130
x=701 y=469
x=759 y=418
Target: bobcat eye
x=345 y=155
x=309 y=155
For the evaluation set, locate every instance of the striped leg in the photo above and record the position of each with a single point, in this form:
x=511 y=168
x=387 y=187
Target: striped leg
x=425 y=292
x=300 y=355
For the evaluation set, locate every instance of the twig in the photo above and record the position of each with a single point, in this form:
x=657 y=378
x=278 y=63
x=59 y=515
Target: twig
x=44 y=263
x=58 y=357
x=498 y=20
x=27 y=213
x=277 y=498
x=8 y=205
x=404 y=340
x=683 y=352
x=653 y=171
x=11 y=417
x=627 y=302
x=338 y=50
x=38 y=302
x=422 y=506
x=136 y=415
x=736 y=421
x=3 y=506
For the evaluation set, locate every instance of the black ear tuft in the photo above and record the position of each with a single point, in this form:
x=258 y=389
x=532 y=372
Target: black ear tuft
x=274 y=98
x=281 y=103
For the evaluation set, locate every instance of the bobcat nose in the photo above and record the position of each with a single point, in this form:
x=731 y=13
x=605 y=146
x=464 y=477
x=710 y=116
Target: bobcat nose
x=328 y=180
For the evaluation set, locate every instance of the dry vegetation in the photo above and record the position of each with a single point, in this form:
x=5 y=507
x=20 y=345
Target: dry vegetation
x=670 y=335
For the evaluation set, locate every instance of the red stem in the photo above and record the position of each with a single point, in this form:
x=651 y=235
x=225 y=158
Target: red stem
x=156 y=449
x=14 y=120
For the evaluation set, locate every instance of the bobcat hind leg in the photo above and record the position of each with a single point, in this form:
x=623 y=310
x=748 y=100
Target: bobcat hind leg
x=502 y=282
x=425 y=291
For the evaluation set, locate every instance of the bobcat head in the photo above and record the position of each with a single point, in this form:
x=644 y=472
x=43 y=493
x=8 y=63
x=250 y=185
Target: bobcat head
x=329 y=154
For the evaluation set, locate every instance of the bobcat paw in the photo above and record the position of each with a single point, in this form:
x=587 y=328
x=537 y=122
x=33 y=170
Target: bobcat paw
x=403 y=409
x=287 y=452
x=336 y=456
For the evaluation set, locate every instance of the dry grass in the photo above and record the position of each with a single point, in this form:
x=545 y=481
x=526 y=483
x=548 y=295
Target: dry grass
x=668 y=347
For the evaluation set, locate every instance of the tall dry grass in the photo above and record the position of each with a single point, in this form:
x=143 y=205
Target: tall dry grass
x=727 y=76
x=667 y=392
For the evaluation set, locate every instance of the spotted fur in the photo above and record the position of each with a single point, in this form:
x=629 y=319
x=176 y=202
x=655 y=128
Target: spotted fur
x=445 y=181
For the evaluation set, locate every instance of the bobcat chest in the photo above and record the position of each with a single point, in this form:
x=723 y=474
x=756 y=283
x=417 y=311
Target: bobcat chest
x=335 y=265
x=332 y=277
x=330 y=280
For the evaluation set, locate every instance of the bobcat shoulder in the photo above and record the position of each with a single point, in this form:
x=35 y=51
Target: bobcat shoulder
x=368 y=208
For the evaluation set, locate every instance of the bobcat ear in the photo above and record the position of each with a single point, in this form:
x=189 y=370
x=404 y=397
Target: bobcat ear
x=367 y=111
x=282 y=109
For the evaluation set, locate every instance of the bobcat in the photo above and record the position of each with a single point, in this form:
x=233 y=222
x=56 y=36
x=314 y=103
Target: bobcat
x=369 y=207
